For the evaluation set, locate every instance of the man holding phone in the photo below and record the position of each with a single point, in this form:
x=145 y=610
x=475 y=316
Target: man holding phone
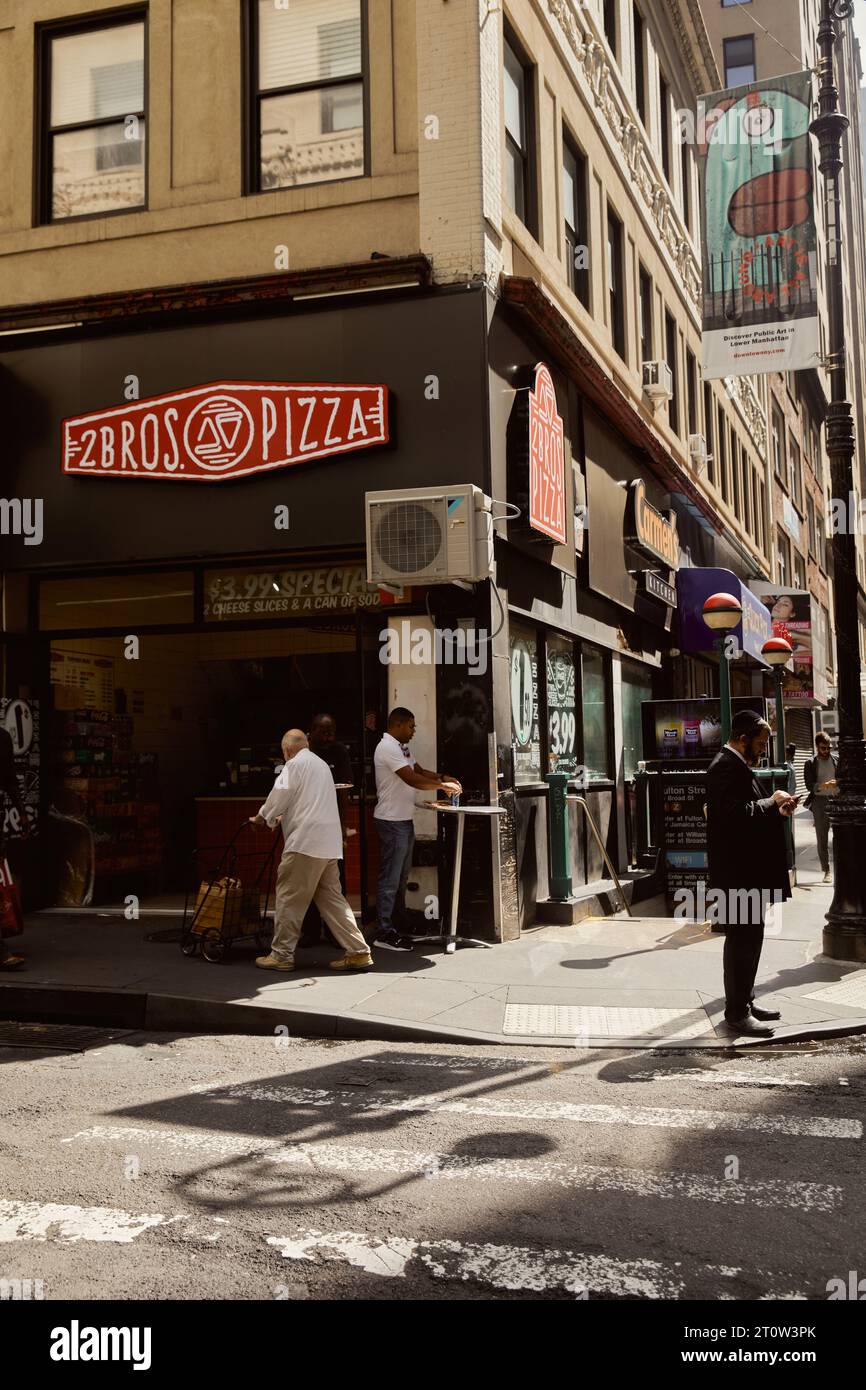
x=748 y=862
x=819 y=774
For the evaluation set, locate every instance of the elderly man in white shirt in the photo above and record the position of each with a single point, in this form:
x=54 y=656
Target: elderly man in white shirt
x=305 y=800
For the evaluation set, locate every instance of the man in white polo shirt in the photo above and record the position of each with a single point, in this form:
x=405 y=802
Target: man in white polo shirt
x=398 y=778
x=305 y=800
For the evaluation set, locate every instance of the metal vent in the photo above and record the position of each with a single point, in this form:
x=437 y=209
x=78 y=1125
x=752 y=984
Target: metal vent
x=408 y=537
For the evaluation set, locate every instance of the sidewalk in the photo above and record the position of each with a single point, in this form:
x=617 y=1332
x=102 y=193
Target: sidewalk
x=648 y=981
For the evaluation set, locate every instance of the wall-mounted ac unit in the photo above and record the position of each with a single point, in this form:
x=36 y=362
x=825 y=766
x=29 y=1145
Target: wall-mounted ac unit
x=658 y=381
x=429 y=535
x=698 y=451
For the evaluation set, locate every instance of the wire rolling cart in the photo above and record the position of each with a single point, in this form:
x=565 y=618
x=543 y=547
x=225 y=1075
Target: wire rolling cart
x=229 y=902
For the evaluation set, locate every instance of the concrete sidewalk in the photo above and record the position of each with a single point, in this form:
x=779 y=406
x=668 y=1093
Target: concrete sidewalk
x=648 y=981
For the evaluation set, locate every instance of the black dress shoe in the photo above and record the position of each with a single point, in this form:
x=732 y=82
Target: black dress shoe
x=764 y=1015
x=748 y=1025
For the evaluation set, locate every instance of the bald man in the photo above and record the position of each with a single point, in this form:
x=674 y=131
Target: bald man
x=304 y=799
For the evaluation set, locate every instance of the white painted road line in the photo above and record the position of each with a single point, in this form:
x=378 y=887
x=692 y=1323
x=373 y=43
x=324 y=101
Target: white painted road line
x=52 y=1220
x=511 y=1267
x=815 y=1127
x=355 y=1159
x=708 y=1077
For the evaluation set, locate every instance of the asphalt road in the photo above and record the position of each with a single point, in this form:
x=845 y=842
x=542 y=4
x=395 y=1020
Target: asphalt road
x=152 y=1166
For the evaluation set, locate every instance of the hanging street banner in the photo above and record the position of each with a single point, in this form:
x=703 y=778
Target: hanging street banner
x=760 y=296
x=209 y=434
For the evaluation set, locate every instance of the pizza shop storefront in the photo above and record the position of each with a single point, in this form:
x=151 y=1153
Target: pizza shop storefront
x=199 y=583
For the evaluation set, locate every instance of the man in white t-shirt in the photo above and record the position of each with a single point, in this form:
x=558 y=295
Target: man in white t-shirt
x=398 y=778
x=304 y=799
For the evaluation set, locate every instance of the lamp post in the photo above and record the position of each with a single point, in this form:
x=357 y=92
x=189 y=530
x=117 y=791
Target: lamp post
x=722 y=613
x=845 y=930
x=777 y=653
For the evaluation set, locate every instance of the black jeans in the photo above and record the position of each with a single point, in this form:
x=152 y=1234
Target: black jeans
x=742 y=955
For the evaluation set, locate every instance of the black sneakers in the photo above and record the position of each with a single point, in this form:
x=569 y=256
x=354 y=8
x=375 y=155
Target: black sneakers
x=392 y=941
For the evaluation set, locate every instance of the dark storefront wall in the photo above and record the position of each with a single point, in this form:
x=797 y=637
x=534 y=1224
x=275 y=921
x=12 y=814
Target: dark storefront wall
x=401 y=344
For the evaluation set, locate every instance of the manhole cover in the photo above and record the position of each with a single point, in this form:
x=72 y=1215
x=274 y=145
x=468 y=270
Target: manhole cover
x=59 y=1037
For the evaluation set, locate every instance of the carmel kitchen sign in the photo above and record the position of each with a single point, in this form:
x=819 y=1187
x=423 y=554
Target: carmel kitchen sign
x=226 y=430
x=647 y=531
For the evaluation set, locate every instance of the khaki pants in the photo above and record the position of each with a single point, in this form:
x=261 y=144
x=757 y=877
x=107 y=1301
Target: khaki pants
x=301 y=879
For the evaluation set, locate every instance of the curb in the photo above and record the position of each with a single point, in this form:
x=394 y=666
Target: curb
x=177 y=1013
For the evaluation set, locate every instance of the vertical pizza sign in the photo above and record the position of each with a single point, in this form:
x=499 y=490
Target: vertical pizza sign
x=546 y=459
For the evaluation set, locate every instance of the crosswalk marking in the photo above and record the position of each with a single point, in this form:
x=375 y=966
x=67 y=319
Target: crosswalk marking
x=358 y=1159
x=54 y=1220
x=814 y=1127
x=512 y=1267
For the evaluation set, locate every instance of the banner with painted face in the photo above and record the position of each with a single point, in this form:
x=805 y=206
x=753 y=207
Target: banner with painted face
x=760 y=295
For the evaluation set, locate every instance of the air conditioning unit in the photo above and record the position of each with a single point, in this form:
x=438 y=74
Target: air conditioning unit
x=429 y=535
x=698 y=451
x=658 y=381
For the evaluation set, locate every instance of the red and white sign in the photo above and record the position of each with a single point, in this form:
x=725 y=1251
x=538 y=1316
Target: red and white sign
x=546 y=459
x=227 y=430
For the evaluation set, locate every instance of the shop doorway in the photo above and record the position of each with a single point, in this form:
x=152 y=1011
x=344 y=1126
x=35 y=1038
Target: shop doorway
x=158 y=748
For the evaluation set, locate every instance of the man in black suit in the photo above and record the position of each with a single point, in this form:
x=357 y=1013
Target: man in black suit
x=748 y=863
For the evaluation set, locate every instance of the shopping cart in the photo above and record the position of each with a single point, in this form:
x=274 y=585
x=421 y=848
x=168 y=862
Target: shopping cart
x=228 y=898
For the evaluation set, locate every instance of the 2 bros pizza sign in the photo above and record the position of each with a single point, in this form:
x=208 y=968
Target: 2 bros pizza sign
x=225 y=430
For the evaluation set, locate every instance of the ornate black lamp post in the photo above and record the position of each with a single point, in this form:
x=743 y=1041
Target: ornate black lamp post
x=845 y=931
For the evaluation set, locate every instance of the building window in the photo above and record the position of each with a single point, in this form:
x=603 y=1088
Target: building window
x=525 y=712
x=639 y=33
x=821 y=542
x=723 y=453
x=777 y=430
x=610 y=8
x=615 y=281
x=783 y=558
x=645 y=308
x=665 y=126
x=308 y=122
x=796 y=471
x=93 y=119
x=692 y=390
x=810 y=525
x=574 y=202
x=594 y=703
x=799 y=573
x=686 y=169
x=739 y=60
x=762 y=516
x=708 y=431
x=735 y=473
x=747 y=496
x=730 y=4
x=671 y=358
x=756 y=515
x=519 y=175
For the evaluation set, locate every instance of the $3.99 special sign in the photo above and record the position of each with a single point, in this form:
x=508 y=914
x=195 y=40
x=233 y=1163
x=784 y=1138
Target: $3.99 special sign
x=546 y=459
x=209 y=434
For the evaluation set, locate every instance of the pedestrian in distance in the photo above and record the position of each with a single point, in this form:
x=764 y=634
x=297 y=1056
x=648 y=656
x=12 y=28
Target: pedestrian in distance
x=819 y=774
x=9 y=789
x=747 y=864
x=304 y=800
x=398 y=777
x=790 y=754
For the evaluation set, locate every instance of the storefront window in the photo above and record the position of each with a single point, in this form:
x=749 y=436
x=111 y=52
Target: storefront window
x=561 y=705
x=134 y=600
x=636 y=687
x=524 y=705
x=595 y=710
